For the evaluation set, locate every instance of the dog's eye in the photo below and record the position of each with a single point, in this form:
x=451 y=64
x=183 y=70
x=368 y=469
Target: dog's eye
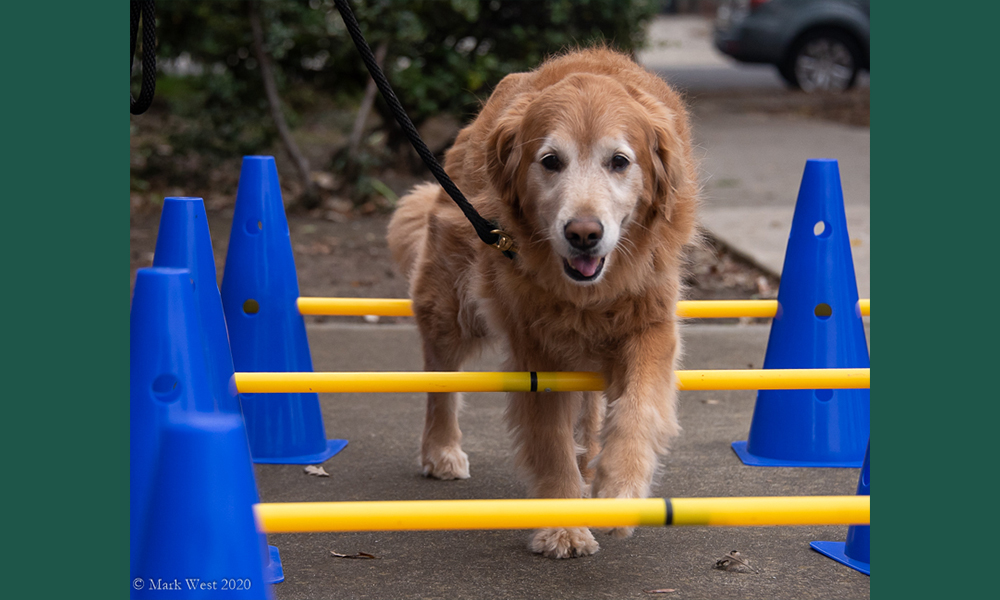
x=619 y=162
x=551 y=162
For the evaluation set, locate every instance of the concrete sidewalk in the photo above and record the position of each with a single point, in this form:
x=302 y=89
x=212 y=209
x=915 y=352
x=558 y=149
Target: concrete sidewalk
x=380 y=463
x=752 y=163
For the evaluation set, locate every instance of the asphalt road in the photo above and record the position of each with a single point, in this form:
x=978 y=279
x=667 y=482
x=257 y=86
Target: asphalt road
x=735 y=77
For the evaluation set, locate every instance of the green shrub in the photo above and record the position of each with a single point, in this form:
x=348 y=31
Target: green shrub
x=444 y=56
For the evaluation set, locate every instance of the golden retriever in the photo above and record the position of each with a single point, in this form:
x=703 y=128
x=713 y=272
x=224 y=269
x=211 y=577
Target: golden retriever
x=587 y=163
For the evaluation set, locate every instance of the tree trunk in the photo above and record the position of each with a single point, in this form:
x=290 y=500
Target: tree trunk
x=309 y=197
x=366 y=103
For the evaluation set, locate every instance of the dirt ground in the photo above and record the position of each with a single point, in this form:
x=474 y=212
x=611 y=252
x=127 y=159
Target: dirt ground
x=340 y=250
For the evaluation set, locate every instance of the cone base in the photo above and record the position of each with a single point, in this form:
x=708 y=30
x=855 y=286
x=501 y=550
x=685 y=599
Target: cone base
x=752 y=460
x=273 y=571
x=835 y=550
x=332 y=447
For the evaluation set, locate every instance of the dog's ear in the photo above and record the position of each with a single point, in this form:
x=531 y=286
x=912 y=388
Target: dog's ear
x=504 y=147
x=504 y=142
x=673 y=176
x=503 y=153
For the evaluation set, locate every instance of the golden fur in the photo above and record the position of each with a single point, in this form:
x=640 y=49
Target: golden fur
x=593 y=110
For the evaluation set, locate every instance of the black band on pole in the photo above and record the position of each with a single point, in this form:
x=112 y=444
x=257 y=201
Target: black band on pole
x=670 y=512
x=534 y=381
x=146 y=10
x=486 y=230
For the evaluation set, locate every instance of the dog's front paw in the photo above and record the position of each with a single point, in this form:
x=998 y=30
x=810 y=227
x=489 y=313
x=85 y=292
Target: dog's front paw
x=563 y=543
x=445 y=463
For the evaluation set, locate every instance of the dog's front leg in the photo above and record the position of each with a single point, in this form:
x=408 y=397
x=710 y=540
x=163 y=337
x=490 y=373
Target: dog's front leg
x=543 y=424
x=641 y=418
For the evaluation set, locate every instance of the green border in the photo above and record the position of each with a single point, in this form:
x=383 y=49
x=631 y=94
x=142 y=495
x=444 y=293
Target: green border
x=935 y=211
x=891 y=441
x=65 y=402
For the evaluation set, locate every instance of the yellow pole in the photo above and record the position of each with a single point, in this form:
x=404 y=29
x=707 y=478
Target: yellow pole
x=567 y=381
x=781 y=510
x=724 y=309
x=692 y=309
x=774 y=379
x=301 y=517
x=384 y=307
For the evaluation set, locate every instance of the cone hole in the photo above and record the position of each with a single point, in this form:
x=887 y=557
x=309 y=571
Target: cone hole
x=254 y=226
x=251 y=307
x=865 y=476
x=824 y=395
x=823 y=310
x=822 y=229
x=166 y=388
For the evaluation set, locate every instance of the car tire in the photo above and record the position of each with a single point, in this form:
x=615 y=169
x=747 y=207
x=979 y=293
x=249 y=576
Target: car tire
x=825 y=60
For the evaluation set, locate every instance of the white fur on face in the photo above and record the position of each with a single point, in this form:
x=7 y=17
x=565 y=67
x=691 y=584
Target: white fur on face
x=585 y=187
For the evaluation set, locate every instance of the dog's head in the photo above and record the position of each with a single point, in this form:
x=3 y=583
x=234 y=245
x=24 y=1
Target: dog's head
x=584 y=165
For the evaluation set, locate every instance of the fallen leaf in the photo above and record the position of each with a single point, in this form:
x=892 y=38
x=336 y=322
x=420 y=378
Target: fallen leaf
x=734 y=561
x=364 y=555
x=316 y=470
x=663 y=591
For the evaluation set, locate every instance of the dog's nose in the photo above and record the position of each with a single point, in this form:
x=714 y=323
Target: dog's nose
x=583 y=234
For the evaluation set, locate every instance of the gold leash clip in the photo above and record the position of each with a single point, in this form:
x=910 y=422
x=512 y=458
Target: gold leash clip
x=504 y=242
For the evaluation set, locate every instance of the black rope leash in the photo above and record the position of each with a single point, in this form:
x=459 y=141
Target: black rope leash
x=488 y=231
x=147 y=10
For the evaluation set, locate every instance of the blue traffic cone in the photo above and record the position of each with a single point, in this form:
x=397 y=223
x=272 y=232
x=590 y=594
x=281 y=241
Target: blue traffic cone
x=184 y=241
x=856 y=551
x=200 y=536
x=818 y=325
x=259 y=294
x=166 y=376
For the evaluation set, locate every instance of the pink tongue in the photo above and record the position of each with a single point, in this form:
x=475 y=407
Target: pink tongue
x=586 y=265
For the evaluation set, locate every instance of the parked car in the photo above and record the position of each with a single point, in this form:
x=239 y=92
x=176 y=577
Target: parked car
x=817 y=45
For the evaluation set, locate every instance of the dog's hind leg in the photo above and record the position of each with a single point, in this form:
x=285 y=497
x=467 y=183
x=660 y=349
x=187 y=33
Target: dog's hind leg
x=543 y=425
x=441 y=454
x=451 y=331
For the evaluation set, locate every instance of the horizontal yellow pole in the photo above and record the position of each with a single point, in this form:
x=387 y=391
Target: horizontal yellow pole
x=774 y=379
x=418 y=381
x=383 y=307
x=301 y=517
x=723 y=309
x=779 y=510
x=693 y=309
x=564 y=381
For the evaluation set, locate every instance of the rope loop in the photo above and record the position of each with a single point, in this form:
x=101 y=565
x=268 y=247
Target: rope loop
x=146 y=11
